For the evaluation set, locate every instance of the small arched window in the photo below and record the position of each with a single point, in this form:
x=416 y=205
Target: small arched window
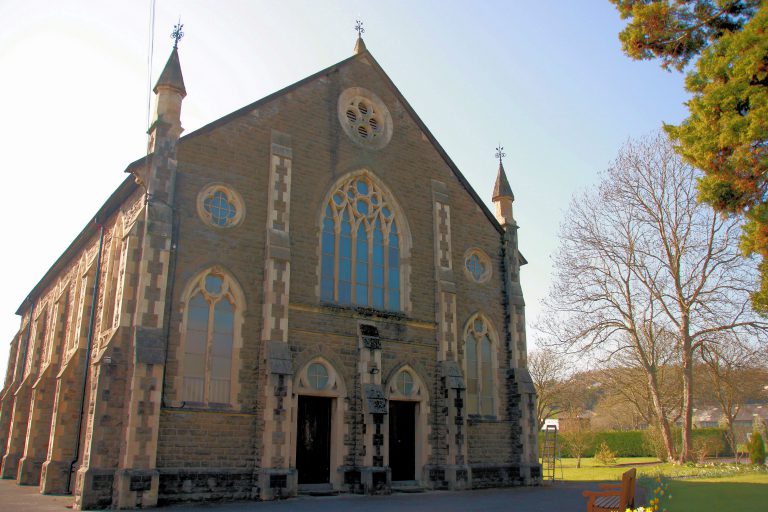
x=360 y=247
x=479 y=367
x=209 y=339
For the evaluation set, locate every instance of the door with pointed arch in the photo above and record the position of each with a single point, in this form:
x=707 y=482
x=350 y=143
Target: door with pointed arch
x=319 y=417
x=407 y=434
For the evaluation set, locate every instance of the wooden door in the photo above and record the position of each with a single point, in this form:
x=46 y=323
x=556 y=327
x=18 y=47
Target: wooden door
x=313 y=440
x=402 y=440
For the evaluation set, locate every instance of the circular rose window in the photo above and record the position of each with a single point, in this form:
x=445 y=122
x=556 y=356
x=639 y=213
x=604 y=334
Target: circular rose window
x=364 y=118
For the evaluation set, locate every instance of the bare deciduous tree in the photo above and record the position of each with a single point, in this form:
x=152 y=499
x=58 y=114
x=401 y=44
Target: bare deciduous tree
x=733 y=374
x=625 y=383
x=548 y=371
x=640 y=259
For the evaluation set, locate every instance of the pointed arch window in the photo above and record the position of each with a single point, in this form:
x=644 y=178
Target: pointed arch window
x=479 y=366
x=360 y=253
x=210 y=339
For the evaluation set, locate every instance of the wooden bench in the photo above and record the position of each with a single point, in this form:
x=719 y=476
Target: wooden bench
x=613 y=497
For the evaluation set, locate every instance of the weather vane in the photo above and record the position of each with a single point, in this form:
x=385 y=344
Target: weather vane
x=177 y=34
x=500 y=152
x=359 y=28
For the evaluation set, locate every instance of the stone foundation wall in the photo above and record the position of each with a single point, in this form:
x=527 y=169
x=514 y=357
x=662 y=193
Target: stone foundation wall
x=202 y=440
x=495 y=475
x=489 y=442
x=179 y=485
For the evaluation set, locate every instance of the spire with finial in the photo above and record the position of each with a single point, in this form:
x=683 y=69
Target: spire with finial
x=177 y=34
x=502 y=192
x=170 y=90
x=360 y=44
x=171 y=75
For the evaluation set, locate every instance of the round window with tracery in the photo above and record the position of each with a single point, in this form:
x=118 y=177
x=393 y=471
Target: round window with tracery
x=477 y=265
x=220 y=206
x=365 y=118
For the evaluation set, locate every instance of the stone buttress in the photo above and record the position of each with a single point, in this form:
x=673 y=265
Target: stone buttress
x=276 y=475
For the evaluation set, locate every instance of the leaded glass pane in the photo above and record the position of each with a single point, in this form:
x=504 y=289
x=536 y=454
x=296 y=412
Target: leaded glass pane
x=470 y=355
x=327 y=276
x=317 y=374
x=475 y=267
x=197 y=325
x=358 y=275
x=378 y=266
x=223 y=324
x=220 y=208
x=192 y=389
x=194 y=349
x=486 y=371
x=213 y=284
x=361 y=267
x=405 y=383
x=220 y=390
x=345 y=261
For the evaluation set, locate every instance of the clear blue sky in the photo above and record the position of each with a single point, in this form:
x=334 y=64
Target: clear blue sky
x=546 y=79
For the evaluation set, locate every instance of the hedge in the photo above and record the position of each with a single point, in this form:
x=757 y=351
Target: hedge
x=632 y=443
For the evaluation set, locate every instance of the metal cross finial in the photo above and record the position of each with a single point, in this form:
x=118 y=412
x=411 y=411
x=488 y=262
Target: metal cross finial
x=359 y=28
x=500 y=152
x=177 y=34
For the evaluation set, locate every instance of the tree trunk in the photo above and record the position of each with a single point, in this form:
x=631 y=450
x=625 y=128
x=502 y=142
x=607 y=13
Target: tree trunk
x=687 y=355
x=731 y=437
x=661 y=414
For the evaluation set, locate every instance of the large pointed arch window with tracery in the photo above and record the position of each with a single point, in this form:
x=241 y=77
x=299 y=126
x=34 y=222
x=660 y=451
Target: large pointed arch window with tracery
x=209 y=340
x=479 y=367
x=360 y=263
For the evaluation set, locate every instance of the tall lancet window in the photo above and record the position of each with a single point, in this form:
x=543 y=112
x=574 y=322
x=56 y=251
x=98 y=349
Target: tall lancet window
x=361 y=245
x=209 y=339
x=479 y=365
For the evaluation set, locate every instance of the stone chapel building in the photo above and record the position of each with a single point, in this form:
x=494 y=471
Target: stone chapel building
x=304 y=294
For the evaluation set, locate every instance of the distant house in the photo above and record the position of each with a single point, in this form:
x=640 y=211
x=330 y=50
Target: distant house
x=713 y=417
x=581 y=421
x=551 y=421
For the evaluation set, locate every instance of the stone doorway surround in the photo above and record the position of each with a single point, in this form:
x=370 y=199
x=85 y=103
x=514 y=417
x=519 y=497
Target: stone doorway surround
x=312 y=383
x=405 y=384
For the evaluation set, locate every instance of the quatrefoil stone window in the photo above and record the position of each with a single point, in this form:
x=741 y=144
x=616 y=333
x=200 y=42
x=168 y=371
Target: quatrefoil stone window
x=220 y=206
x=364 y=118
x=477 y=265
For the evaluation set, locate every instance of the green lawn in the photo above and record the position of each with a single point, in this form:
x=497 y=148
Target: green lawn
x=694 y=489
x=592 y=470
x=745 y=493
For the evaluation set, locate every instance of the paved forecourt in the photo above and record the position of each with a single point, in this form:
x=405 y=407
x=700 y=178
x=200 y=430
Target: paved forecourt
x=561 y=496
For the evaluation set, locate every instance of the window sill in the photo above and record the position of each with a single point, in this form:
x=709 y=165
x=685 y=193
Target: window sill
x=365 y=311
x=201 y=407
x=478 y=418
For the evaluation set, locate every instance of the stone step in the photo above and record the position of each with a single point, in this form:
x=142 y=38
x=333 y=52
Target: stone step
x=407 y=486
x=317 y=490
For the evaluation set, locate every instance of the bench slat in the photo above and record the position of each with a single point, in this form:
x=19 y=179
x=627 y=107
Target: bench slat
x=609 y=502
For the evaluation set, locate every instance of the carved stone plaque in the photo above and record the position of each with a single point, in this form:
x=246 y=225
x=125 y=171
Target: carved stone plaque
x=375 y=400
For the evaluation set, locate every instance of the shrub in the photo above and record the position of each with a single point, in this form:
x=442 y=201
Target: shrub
x=578 y=442
x=756 y=449
x=604 y=455
x=704 y=447
x=640 y=443
x=713 y=439
x=654 y=443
